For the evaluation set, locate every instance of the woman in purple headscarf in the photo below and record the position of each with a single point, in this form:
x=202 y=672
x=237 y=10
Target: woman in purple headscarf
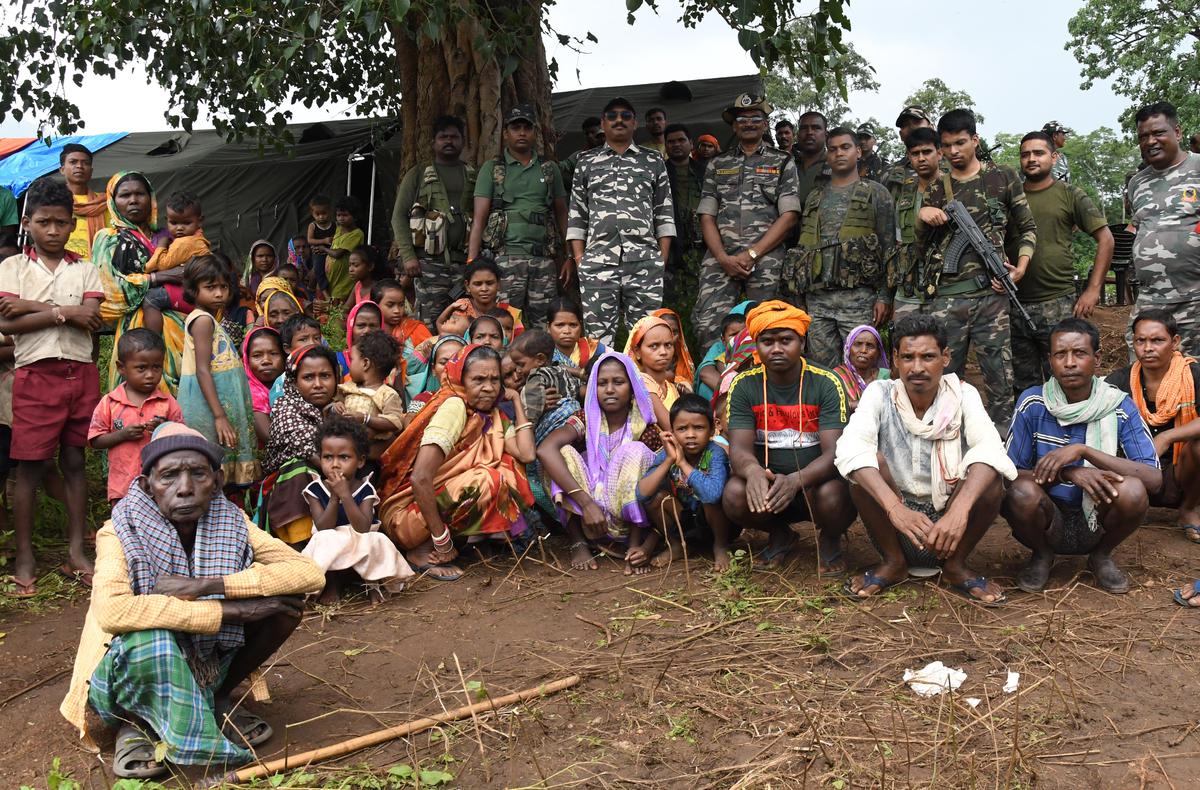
x=595 y=463
x=863 y=360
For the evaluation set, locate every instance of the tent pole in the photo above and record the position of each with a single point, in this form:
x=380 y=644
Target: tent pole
x=349 y=170
x=371 y=205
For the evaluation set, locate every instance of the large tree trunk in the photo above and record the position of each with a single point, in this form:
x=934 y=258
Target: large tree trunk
x=451 y=76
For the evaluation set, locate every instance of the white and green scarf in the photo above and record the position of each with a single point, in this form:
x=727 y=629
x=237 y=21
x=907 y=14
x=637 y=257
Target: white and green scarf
x=1099 y=411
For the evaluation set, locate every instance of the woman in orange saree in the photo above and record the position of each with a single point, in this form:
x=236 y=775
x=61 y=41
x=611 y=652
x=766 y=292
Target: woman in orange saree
x=457 y=470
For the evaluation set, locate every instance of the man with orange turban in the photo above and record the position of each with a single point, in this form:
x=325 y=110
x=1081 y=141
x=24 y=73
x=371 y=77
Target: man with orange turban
x=784 y=418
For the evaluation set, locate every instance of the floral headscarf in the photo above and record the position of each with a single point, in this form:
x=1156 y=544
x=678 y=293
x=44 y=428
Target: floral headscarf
x=294 y=421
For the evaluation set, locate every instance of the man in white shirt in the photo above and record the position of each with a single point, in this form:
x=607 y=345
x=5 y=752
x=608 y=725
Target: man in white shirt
x=926 y=467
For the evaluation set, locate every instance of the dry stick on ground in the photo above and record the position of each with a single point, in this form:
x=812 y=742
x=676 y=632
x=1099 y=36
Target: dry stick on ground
x=391 y=733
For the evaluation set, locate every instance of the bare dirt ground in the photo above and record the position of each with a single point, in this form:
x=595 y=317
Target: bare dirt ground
x=693 y=680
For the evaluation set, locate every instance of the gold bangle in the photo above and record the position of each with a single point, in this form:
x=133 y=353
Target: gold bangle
x=524 y=425
x=573 y=491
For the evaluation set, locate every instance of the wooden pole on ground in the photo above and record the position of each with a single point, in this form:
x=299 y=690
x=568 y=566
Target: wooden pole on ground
x=399 y=731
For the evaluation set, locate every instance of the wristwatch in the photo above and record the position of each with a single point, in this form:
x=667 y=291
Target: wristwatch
x=753 y=255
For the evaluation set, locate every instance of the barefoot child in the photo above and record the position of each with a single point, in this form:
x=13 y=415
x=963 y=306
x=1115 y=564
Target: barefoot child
x=125 y=418
x=367 y=397
x=364 y=272
x=685 y=369
x=365 y=317
x=651 y=346
x=708 y=375
x=185 y=240
x=319 y=236
x=482 y=281
x=262 y=358
x=297 y=332
x=487 y=331
x=50 y=303
x=346 y=542
x=549 y=394
x=213 y=392
x=346 y=237
x=683 y=488
x=571 y=349
x=597 y=488
x=408 y=331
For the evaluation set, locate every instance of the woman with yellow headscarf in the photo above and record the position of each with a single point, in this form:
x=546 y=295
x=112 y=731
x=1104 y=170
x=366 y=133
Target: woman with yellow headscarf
x=275 y=302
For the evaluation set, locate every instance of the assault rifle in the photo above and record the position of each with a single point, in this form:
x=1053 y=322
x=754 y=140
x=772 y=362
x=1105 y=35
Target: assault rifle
x=968 y=235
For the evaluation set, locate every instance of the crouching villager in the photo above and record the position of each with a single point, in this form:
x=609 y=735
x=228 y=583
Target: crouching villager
x=926 y=467
x=1088 y=464
x=190 y=598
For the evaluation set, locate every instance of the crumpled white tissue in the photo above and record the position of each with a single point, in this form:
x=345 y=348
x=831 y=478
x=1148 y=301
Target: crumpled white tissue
x=1014 y=680
x=934 y=678
x=974 y=701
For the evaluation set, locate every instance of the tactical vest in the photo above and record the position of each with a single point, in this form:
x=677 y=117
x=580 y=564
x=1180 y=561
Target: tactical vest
x=432 y=212
x=903 y=271
x=971 y=268
x=856 y=260
x=535 y=224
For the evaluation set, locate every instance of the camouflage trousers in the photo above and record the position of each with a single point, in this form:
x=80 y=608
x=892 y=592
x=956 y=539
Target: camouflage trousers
x=680 y=286
x=1187 y=315
x=720 y=293
x=835 y=313
x=901 y=309
x=981 y=321
x=529 y=284
x=433 y=288
x=1031 y=345
x=617 y=295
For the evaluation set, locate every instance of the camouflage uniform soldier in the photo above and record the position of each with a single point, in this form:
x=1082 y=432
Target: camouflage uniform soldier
x=847 y=239
x=620 y=226
x=520 y=215
x=747 y=207
x=869 y=165
x=970 y=308
x=910 y=118
x=925 y=165
x=1058 y=135
x=683 y=268
x=1047 y=290
x=1165 y=198
x=593 y=137
x=432 y=219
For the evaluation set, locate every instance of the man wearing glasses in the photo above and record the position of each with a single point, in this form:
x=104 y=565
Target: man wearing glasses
x=748 y=205
x=620 y=226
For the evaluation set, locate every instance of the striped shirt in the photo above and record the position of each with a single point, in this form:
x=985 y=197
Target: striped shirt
x=1036 y=432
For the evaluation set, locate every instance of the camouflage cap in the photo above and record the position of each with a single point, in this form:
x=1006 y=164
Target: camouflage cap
x=1054 y=127
x=747 y=101
x=521 y=112
x=914 y=112
x=865 y=130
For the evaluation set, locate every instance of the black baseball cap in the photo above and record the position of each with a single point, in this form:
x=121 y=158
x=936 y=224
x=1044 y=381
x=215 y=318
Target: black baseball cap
x=521 y=112
x=619 y=101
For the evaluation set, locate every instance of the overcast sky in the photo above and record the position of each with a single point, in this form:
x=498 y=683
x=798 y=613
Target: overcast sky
x=1008 y=54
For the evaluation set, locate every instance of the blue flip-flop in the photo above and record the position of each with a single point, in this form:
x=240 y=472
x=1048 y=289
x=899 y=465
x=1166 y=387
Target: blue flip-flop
x=1179 y=599
x=965 y=587
x=869 y=580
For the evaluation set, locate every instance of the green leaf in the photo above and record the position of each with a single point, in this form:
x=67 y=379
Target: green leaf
x=401 y=771
x=475 y=687
x=160 y=752
x=399 y=9
x=314 y=20
x=275 y=780
x=633 y=5
x=435 y=778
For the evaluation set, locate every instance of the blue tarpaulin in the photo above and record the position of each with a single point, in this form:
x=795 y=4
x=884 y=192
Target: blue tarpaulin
x=21 y=169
